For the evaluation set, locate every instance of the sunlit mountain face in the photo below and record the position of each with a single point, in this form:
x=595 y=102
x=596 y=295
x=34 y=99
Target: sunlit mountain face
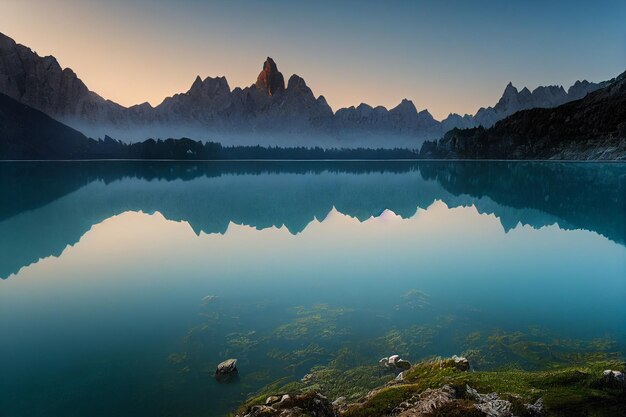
x=145 y=275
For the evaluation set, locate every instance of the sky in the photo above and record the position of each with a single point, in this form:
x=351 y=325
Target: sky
x=446 y=56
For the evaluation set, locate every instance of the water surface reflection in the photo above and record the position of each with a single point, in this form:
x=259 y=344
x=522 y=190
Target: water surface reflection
x=127 y=283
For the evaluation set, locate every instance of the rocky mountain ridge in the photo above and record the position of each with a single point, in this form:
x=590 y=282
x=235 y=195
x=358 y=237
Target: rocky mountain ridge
x=264 y=110
x=593 y=127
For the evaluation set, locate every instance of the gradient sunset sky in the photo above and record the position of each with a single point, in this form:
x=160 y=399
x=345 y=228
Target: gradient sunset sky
x=446 y=56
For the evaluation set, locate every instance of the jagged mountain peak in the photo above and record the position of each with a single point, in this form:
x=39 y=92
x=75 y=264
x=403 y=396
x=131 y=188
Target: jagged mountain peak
x=197 y=84
x=510 y=90
x=210 y=86
x=322 y=101
x=425 y=114
x=364 y=106
x=6 y=42
x=406 y=108
x=270 y=80
x=296 y=83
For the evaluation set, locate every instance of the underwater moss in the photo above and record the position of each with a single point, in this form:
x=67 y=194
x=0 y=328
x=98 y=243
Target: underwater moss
x=415 y=299
x=320 y=321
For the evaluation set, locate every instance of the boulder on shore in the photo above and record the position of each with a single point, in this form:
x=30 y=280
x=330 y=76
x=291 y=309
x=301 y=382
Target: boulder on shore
x=297 y=405
x=614 y=379
x=395 y=363
x=460 y=363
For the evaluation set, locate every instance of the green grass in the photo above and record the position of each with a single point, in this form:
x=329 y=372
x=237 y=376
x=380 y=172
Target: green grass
x=566 y=391
x=383 y=401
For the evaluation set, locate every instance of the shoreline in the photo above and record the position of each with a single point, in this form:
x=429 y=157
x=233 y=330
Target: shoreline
x=446 y=387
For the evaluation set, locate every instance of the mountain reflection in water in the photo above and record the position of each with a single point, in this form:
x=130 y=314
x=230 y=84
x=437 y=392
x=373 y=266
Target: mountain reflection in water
x=47 y=206
x=126 y=283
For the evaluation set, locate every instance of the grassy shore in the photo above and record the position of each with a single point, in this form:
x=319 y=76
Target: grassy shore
x=567 y=390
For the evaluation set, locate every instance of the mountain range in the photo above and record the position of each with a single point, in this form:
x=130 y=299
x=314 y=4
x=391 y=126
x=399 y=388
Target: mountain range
x=593 y=127
x=269 y=112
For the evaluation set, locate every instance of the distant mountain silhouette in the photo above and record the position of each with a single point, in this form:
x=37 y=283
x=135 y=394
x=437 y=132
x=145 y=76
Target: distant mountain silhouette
x=267 y=111
x=513 y=101
x=66 y=199
x=593 y=127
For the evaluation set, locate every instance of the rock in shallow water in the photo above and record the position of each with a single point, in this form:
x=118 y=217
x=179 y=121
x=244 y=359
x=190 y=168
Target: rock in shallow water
x=226 y=370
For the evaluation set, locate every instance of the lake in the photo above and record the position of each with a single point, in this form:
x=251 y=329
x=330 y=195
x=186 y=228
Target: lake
x=124 y=284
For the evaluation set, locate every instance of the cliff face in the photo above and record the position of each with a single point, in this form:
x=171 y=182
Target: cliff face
x=270 y=80
x=593 y=127
x=41 y=83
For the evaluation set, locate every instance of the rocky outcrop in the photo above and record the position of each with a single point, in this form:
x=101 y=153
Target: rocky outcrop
x=270 y=80
x=447 y=400
x=490 y=404
x=460 y=363
x=42 y=84
x=298 y=405
x=614 y=379
x=456 y=401
x=395 y=363
x=426 y=402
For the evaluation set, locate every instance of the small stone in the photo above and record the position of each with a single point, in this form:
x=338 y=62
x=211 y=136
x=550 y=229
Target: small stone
x=536 y=409
x=402 y=364
x=400 y=377
x=460 y=363
x=339 y=400
x=272 y=399
x=614 y=379
x=393 y=359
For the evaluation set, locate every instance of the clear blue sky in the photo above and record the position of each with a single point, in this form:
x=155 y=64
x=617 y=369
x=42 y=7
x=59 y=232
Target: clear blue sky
x=447 y=56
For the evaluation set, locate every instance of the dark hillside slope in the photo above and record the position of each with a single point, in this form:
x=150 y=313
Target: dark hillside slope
x=593 y=127
x=26 y=133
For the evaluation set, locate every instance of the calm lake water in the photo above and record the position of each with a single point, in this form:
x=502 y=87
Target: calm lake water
x=125 y=283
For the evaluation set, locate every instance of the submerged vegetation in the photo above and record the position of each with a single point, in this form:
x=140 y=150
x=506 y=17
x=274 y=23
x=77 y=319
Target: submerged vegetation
x=324 y=349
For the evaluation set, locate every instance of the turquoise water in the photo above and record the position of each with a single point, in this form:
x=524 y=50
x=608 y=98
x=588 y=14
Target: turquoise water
x=106 y=268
